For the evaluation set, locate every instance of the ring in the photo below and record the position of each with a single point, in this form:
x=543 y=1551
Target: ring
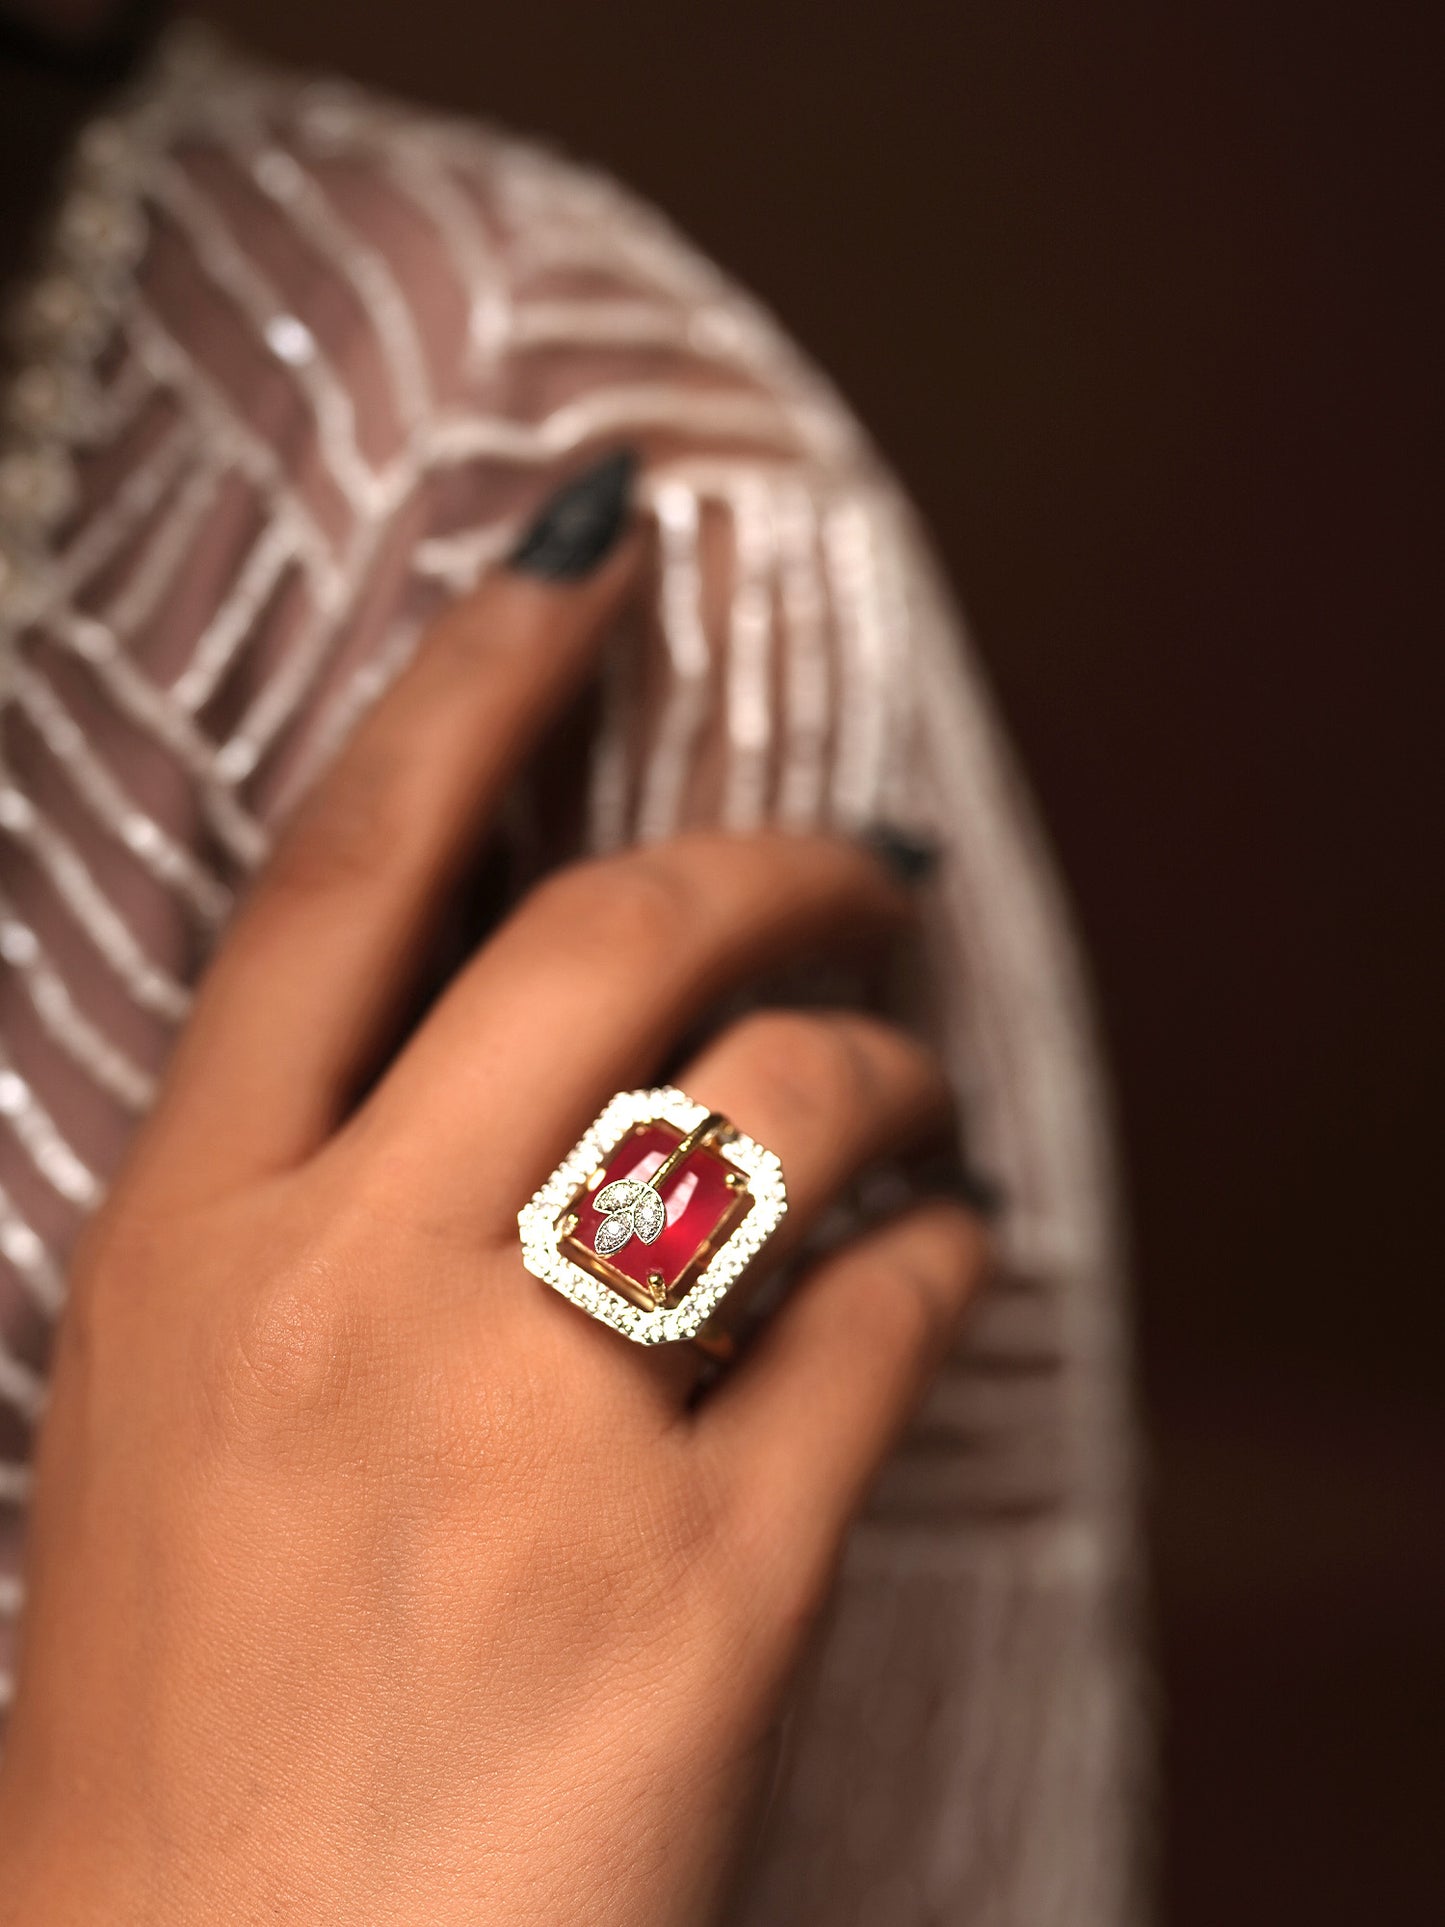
x=654 y=1215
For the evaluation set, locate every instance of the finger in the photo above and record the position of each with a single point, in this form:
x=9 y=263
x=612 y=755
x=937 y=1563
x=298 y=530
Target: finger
x=829 y=1091
x=807 y=1418
x=585 y=990
x=322 y=954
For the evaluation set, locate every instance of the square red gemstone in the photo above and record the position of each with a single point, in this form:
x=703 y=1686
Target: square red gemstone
x=703 y=1200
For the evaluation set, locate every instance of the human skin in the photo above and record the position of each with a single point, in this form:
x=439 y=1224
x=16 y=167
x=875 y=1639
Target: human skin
x=370 y=1581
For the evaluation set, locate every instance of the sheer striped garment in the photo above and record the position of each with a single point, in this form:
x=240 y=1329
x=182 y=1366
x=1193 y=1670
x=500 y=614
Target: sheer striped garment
x=299 y=366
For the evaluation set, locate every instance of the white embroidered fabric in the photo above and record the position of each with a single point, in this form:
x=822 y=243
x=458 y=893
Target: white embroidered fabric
x=299 y=368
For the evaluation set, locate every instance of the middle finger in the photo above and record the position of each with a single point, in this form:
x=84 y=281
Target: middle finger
x=589 y=986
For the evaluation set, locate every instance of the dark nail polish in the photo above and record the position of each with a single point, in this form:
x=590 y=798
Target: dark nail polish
x=910 y=859
x=581 y=524
x=948 y=1175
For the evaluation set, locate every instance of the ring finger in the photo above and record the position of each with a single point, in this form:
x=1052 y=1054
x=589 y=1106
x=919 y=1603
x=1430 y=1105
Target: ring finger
x=587 y=989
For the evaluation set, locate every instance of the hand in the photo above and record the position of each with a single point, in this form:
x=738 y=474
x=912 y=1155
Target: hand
x=370 y=1581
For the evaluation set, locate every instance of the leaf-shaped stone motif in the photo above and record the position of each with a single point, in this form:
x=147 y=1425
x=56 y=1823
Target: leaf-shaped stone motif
x=612 y=1235
x=648 y=1215
x=633 y=1207
x=619 y=1196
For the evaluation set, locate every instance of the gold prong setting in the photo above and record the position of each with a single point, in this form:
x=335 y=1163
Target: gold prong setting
x=538 y=1220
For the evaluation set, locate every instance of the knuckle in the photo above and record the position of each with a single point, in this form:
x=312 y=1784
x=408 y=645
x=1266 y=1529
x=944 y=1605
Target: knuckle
x=289 y=1349
x=122 y=1252
x=350 y=830
x=311 y=1350
x=809 y=1066
x=639 y=901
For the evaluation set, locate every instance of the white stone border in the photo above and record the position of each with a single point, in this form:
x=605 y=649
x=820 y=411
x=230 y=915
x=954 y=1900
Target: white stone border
x=540 y=1239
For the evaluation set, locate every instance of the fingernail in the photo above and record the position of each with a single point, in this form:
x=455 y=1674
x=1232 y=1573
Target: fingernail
x=909 y=857
x=949 y=1175
x=582 y=523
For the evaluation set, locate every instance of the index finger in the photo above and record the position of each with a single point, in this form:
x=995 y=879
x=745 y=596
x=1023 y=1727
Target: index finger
x=321 y=955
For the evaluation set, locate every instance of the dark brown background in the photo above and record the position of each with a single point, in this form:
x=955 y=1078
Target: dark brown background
x=1135 y=298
